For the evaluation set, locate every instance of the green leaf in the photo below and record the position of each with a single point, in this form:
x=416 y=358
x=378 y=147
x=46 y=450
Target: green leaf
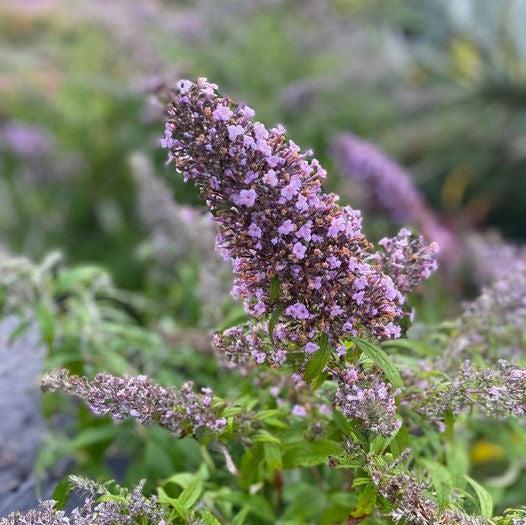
x=61 y=493
x=267 y=414
x=241 y=516
x=342 y=422
x=306 y=504
x=441 y=480
x=484 y=497
x=232 y=411
x=157 y=457
x=310 y=453
x=274 y=318
x=457 y=459
x=92 y=435
x=251 y=462
x=47 y=323
x=318 y=362
x=408 y=344
x=449 y=420
x=258 y=505
x=276 y=423
x=191 y=493
x=78 y=276
x=366 y=502
x=273 y=456
x=400 y=441
x=174 y=503
x=237 y=317
x=264 y=436
x=378 y=356
x=274 y=288
x=183 y=479
x=339 y=508
x=208 y=518
x=380 y=443
x=261 y=507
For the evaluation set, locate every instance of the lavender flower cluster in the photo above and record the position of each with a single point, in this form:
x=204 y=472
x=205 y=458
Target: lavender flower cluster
x=499 y=393
x=406 y=260
x=171 y=223
x=276 y=224
x=182 y=411
x=389 y=187
x=241 y=346
x=364 y=396
x=129 y=510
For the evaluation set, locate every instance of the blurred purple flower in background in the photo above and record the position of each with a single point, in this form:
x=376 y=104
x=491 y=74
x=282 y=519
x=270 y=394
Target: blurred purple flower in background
x=25 y=140
x=389 y=188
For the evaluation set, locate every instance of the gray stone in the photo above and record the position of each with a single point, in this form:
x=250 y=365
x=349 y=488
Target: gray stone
x=21 y=423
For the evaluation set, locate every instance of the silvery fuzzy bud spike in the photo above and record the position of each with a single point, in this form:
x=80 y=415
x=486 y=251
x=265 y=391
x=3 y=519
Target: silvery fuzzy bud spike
x=498 y=393
x=130 y=508
x=182 y=411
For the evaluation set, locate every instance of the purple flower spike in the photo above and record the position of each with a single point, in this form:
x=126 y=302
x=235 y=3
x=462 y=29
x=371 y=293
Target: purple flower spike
x=276 y=223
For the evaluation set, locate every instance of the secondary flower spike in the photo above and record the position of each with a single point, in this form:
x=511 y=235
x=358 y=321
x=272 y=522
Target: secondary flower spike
x=181 y=411
x=281 y=231
x=407 y=260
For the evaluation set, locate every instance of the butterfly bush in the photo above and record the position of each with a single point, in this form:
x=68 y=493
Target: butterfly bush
x=490 y=332
x=240 y=346
x=44 y=514
x=175 y=227
x=25 y=140
x=309 y=279
x=389 y=187
x=182 y=411
x=291 y=245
